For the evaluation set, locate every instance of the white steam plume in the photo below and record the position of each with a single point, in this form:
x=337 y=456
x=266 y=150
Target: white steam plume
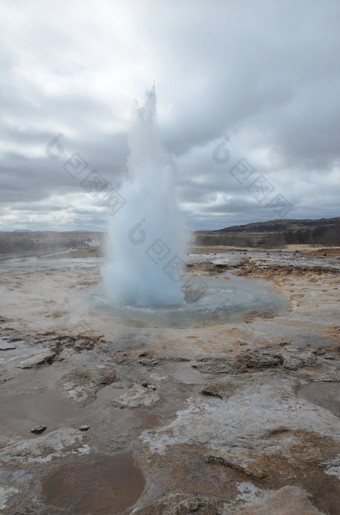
x=147 y=237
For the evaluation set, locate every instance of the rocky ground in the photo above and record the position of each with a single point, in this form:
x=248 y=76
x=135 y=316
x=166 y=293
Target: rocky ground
x=237 y=417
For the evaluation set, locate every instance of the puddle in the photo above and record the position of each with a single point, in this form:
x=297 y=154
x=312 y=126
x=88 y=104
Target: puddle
x=326 y=395
x=103 y=485
x=22 y=411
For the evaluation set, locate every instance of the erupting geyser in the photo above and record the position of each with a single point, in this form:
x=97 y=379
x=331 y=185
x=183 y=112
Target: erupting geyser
x=147 y=237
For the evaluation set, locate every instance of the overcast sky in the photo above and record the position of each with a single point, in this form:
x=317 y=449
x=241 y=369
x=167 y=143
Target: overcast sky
x=248 y=105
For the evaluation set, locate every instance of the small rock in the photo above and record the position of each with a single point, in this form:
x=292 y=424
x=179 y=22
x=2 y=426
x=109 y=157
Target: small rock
x=160 y=377
x=148 y=362
x=218 y=366
x=137 y=396
x=181 y=503
x=62 y=442
x=145 y=384
x=5 y=493
x=261 y=359
x=37 y=359
x=292 y=363
x=12 y=339
x=6 y=345
x=211 y=392
x=295 y=360
x=81 y=385
x=85 y=427
x=152 y=387
x=38 y=430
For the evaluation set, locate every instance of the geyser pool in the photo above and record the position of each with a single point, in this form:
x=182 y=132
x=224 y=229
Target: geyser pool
x=221 y=301
x=147 y=236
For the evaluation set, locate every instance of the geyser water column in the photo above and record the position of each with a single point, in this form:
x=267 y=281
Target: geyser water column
x=147 y=237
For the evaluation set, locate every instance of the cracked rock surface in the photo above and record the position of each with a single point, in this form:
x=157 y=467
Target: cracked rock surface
x=234 y=417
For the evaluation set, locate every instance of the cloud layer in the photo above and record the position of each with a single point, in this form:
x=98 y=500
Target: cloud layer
x=265 y=75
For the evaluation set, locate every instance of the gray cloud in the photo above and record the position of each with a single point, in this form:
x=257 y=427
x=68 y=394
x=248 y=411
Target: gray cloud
x=264 y=74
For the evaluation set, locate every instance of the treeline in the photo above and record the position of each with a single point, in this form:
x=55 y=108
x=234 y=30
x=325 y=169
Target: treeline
x=321 y=235
x=228 y=240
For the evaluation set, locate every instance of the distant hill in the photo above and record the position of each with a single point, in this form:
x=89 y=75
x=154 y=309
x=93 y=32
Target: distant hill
x=275 y=233
x=282 y=225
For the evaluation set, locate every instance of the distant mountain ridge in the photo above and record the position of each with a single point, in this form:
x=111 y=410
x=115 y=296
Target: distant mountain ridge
x=281 y=225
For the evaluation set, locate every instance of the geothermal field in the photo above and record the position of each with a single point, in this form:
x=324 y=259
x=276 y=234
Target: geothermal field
x=212 y=406
x=146 y=374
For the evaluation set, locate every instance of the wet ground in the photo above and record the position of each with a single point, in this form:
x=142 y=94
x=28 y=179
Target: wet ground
x=104 y=484
x=238 y=415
